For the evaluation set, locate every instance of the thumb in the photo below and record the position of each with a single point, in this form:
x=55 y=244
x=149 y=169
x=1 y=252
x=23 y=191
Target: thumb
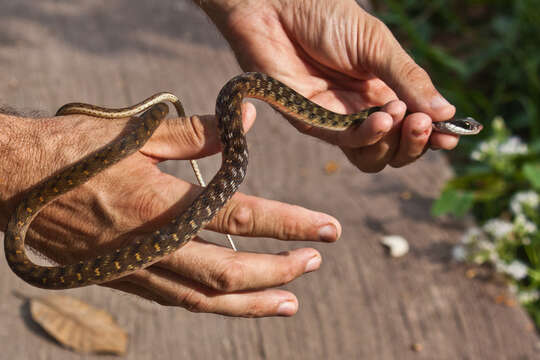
x=410 y=82
x=191 y=137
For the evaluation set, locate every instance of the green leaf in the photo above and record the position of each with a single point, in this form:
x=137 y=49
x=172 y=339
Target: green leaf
x=532 y=173
x=486 y=186
x=453 y=202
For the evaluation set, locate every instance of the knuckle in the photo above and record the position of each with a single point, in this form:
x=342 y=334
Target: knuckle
x=195 y=131
x=230 y=276
x=191 y=300
x=288 y=228
x=412 y=72
x=238 y=219
x=189 y=130
x=147 y=205
x=287 y=274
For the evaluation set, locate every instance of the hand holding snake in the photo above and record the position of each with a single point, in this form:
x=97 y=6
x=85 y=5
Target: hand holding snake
x=341 y=57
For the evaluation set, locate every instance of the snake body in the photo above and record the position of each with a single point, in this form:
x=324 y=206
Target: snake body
x=181 y=229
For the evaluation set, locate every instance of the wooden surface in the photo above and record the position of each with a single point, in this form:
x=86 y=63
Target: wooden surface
x=361 y=304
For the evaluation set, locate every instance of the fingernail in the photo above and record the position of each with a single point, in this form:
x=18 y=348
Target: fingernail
x=287 y=308
x=327 y=233
x=418 y=133
x=313 y=264
x=438 y=102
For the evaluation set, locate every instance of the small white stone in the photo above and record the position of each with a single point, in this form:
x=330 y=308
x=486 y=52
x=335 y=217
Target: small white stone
x=397 y=245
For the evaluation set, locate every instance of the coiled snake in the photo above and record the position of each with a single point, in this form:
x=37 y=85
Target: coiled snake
x=180 y=230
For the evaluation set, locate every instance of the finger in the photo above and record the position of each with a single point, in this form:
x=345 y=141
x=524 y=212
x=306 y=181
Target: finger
x=178 y=291
x=415 y=133
x=253 y=216
x=224 y=270
x=443 y=141
x=411 y=83
x=374 y=158
x=242 y=214
x=191 y=137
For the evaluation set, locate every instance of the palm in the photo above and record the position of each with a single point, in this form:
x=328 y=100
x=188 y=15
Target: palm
x=316 y=64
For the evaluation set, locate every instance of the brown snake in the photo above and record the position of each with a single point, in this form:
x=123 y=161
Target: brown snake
x=181 y=229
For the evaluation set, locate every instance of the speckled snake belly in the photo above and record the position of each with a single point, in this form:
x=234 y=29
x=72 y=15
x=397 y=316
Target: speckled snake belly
x=180 y=230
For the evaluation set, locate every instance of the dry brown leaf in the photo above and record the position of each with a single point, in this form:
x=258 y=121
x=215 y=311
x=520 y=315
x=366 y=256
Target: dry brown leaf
x=331 y=167
x=406 y=195
x=78 y=325
x=471 y=273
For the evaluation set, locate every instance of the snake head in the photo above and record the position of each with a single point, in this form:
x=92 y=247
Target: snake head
x=465 y=126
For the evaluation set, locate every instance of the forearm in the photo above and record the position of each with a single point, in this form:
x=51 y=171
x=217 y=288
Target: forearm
x=221 y=11
x=15 y=139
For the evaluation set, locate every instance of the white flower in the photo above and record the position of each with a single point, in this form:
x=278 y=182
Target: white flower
x=498 y=228
x=488 y=146
x=527 y=198
x=472 y=234
x=477 y=155
x=524 y=223
x=459 y=253
x=483 y=250
x=484 y=149
x=527 y=297
x=513 y=146
x=515 y=269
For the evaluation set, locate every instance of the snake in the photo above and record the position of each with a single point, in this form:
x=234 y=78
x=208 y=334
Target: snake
x=148 y=115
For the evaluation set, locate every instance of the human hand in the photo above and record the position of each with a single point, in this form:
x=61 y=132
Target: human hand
x=346 y=60
x=133 y=198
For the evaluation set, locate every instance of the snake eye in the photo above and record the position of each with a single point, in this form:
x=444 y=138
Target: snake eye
x=467 y=125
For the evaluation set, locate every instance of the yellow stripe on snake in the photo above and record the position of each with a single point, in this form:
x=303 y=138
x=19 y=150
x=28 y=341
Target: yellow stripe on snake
x=180 y=230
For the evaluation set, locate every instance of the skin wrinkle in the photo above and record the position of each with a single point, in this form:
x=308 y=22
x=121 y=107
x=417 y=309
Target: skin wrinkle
x=324 y=26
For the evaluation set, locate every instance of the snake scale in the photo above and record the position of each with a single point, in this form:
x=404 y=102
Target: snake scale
x=181 y=229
